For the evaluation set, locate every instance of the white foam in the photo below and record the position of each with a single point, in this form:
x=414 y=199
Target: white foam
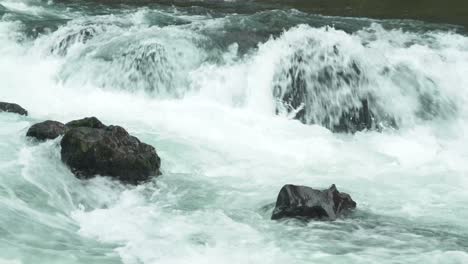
x=225 y=154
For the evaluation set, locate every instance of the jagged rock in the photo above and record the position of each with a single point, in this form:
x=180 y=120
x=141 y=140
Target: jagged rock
x=12 y=108
x=91 y=148
x=91 y=122
x=46 y=130
x=109 y=151
x=305 y=202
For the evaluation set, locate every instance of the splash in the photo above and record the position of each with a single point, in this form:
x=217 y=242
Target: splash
x=218 y=95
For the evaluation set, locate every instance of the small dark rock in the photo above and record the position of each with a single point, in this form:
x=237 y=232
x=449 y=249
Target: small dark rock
x=46 y=130
x=305 y=202
x=109 y=151
x=91 y=122
x=12 y=108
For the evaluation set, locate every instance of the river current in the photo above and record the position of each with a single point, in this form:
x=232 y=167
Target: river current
x=204 y=84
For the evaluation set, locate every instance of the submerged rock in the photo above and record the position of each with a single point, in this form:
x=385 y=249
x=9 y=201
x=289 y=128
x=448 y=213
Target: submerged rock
x=46 y=130
x=325 y=86
x=360 y=118
x=305 y=202
x=12 y=108
x=108 y=151
x=356 y=119
x=81 y=36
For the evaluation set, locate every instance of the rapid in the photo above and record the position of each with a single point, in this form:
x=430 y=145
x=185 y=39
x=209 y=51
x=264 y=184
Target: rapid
x=207 y=87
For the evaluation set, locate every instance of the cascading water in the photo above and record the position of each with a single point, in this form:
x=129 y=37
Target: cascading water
x=218 y=94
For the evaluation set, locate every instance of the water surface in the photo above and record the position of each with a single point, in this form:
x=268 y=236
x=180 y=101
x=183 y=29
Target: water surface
x=203 y=82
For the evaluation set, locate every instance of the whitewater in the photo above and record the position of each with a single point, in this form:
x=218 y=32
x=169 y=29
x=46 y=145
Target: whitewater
x=205 y=87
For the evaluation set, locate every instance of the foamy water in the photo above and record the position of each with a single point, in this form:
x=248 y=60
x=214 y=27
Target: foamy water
x=191 y=84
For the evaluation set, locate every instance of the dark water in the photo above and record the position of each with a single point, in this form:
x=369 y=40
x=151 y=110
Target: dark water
x=449 y=11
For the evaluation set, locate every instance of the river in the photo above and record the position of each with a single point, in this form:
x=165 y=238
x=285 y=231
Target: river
x=203 y=82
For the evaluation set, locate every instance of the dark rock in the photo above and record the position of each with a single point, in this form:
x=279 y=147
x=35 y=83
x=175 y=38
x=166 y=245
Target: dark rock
x=322 y=86
x=91 y=122
x=81 y=36
x=308 y=203
x=109 y=151
x=12 y=108
x=363 y=118
x=46 y=130
x=149 y=64
x=356 y=119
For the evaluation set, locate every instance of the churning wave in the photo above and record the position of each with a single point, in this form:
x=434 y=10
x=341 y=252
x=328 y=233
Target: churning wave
x=237 y=105
x=313 y=74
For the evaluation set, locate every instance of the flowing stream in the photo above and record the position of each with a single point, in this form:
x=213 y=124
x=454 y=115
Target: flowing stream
x=207 y=85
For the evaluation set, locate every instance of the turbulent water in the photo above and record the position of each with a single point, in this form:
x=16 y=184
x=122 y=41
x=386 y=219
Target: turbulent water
x=208 y=87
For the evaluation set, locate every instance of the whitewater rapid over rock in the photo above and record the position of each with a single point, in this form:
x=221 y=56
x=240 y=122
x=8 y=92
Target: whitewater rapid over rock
x=206 y=87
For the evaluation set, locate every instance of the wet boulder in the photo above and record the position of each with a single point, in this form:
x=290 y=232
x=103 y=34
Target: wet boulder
x=12 y=108
x=91 y=122
x=46 y=130
x=109 y=151
x=324 y=86
x=52 y=129
x=307 y=203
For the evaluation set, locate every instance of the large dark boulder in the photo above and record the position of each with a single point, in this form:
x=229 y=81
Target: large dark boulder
x=46 y=130
x=91 y=122
x=109 y=151
x=12 y=108
x=305 y=202
x=325 y=87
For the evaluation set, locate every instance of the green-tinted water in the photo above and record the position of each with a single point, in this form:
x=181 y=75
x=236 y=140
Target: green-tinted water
x=203 y=82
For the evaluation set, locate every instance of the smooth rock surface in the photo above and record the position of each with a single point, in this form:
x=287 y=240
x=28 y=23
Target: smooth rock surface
x=46 y=130
x=12 y=108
